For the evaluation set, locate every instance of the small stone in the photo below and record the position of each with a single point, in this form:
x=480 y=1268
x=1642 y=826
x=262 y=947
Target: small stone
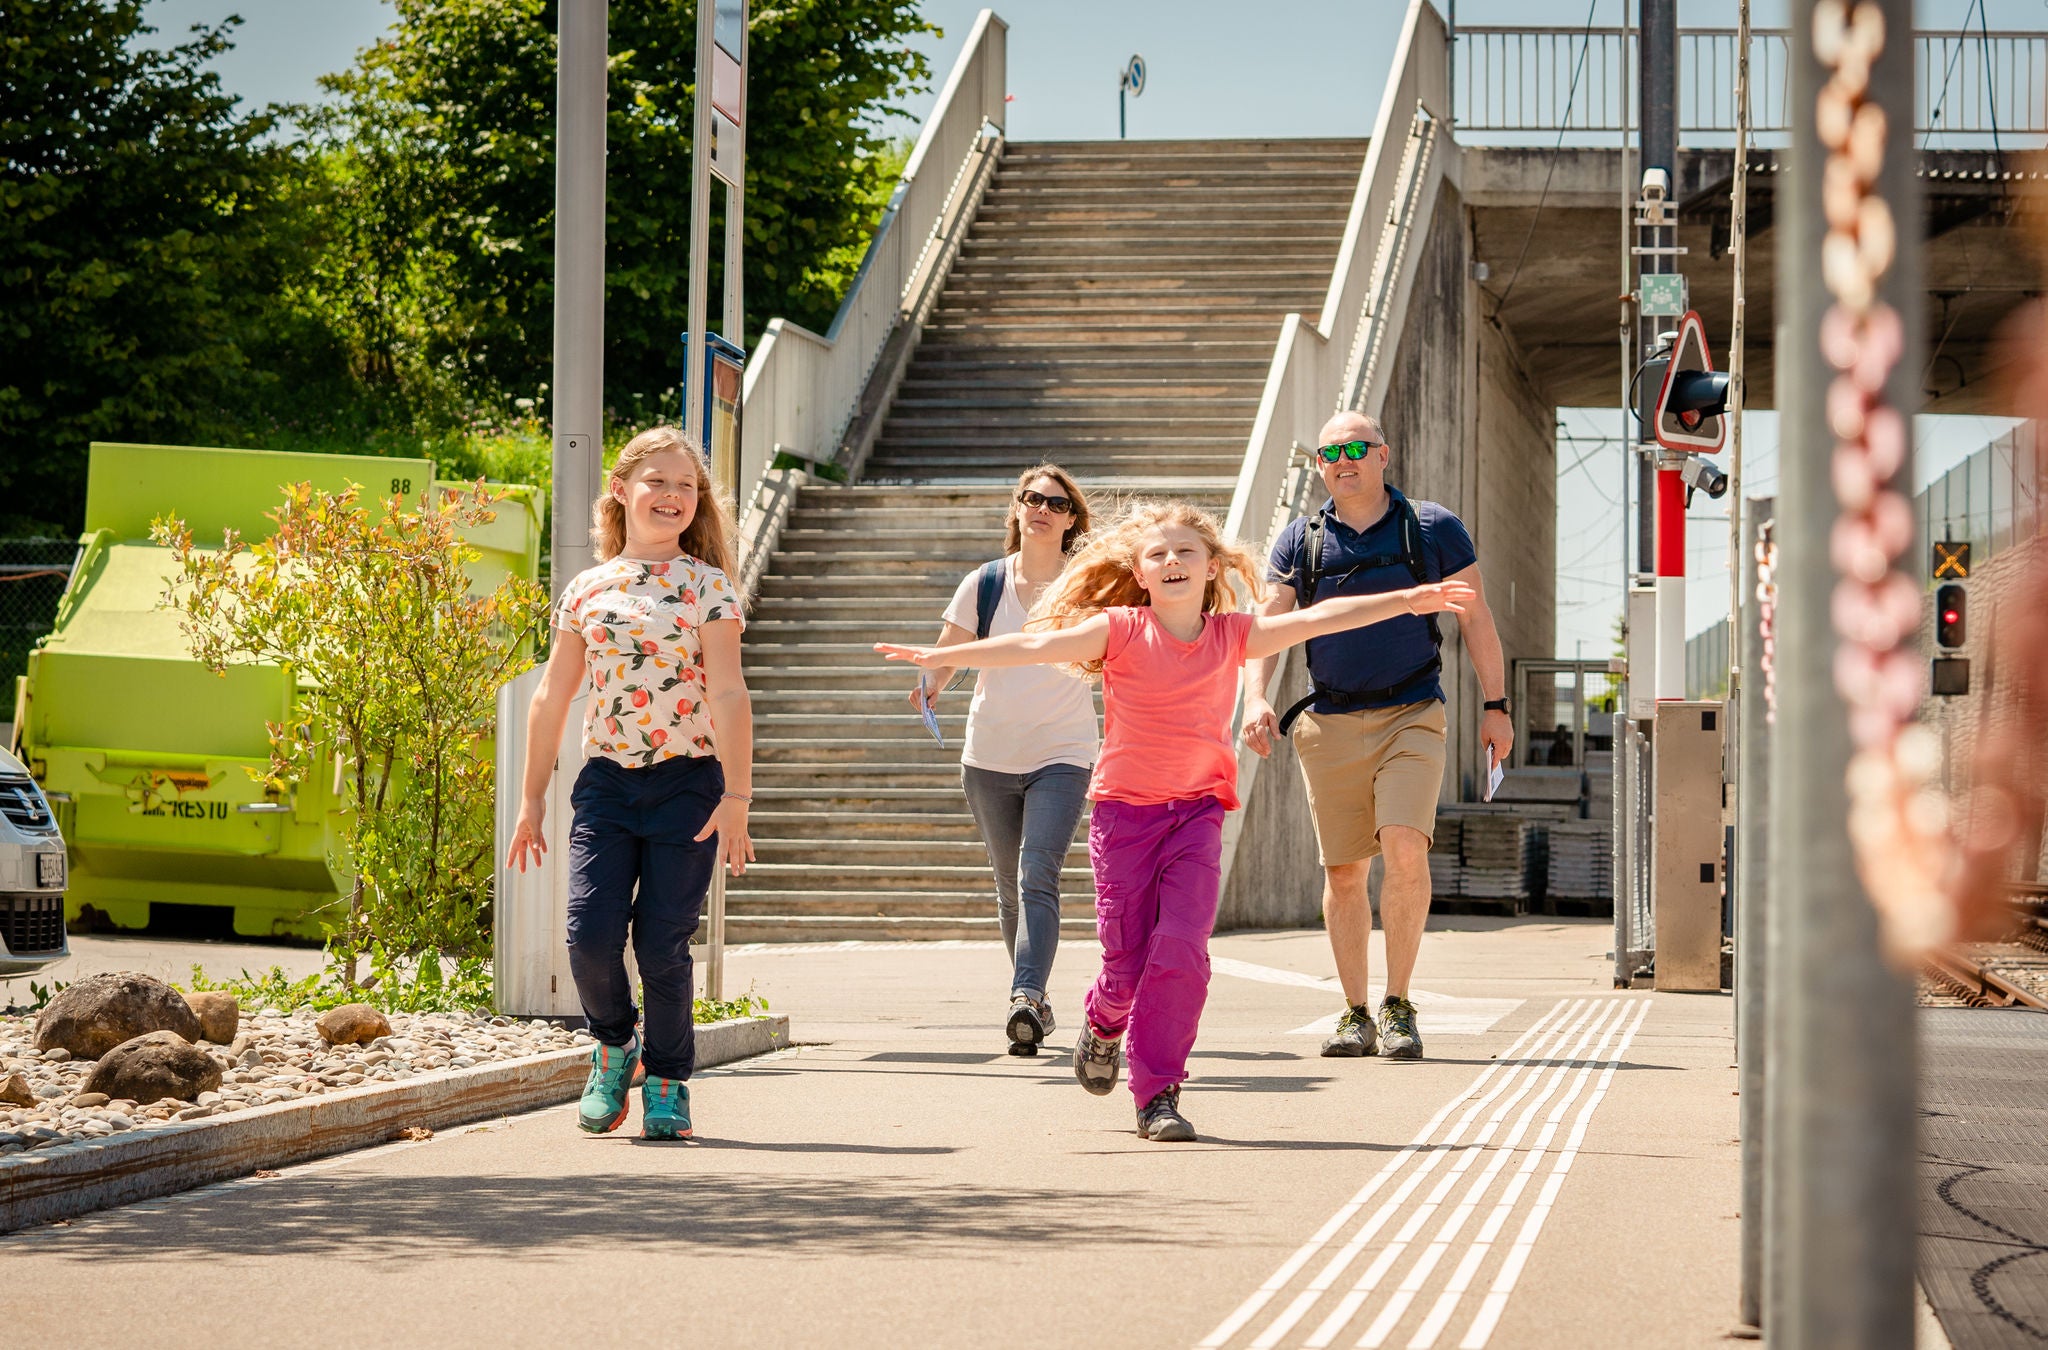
x=352 y=1024
x=250 y=1058
x=219 y=1015
x=99 y=1012
x=56 y=1055
x=15 y=1091
x=204 y=1098
x=51 y=1091
x=85 y=1099
x=120 y=1122
x=149 y=1068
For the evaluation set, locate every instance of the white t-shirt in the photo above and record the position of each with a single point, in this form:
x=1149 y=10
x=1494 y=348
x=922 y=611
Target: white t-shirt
x=1023 y=717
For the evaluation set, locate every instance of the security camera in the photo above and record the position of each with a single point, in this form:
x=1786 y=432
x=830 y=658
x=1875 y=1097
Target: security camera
x=1656 y=185
x=1703 y=475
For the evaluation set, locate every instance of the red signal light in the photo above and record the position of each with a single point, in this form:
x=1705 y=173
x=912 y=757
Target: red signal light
x=1950 y=615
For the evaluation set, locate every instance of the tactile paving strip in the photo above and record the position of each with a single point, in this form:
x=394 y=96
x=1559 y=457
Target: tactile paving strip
x=1984 y=1174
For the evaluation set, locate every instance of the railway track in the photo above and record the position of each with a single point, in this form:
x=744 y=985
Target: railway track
x=2012 y=973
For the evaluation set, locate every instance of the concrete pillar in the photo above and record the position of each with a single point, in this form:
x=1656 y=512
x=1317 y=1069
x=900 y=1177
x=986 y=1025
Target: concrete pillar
x=577 y=393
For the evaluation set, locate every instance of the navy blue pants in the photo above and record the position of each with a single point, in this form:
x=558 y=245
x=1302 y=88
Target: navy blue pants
x=634 y=862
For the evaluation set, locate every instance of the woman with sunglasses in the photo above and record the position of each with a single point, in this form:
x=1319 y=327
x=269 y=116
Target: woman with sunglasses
x=1031 y=741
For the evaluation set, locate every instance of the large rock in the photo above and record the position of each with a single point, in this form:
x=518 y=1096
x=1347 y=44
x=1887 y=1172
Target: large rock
x=15 y=1091
x=100 y=1012
x=219 y=1015
x=352 y=1024
x=150 y=1068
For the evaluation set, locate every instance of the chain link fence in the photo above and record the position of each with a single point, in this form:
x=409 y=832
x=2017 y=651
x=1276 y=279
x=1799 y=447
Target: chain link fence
x=32 y=577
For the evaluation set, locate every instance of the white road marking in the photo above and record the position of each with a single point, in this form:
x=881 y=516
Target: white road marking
x=1563 y=1057
x=1496 y=1300
x=1280 y=1278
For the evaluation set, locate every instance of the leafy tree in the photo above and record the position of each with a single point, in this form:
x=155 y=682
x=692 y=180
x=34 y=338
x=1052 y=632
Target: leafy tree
x=137 y=248
x=372 y=609
x=442 y=164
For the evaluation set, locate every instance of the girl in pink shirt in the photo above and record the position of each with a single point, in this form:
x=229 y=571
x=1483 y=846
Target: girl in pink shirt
x=1145 y=605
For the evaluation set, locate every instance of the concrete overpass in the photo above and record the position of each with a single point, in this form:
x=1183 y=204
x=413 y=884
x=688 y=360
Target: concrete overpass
x=1981 y=213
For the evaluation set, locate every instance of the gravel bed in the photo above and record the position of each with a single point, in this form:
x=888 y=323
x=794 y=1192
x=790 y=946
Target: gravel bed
x=275 y=1057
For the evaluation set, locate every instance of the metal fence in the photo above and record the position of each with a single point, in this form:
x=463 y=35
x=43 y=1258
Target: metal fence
x=1992 y=499
x=1974 y=89
x=32 y=577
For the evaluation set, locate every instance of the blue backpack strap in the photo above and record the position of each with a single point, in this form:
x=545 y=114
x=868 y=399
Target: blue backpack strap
x=989 y=594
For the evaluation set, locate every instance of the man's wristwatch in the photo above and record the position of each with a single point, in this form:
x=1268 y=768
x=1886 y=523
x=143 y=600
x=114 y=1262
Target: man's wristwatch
x=1499 y=705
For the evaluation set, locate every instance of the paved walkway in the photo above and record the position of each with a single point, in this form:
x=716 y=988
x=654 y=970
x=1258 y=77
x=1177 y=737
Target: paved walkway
x=1560 y=1172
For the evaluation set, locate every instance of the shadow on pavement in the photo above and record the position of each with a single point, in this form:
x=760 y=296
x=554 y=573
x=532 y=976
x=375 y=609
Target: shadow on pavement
x=405 y=1218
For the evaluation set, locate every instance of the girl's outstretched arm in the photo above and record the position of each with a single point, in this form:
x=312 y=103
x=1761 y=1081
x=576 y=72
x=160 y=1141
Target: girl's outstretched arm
x=1085 y=641
x=546 y=717
x=1278 y=632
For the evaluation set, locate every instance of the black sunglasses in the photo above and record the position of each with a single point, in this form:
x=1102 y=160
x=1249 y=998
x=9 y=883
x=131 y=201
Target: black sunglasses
x=1059 y=506
x=1347 y=449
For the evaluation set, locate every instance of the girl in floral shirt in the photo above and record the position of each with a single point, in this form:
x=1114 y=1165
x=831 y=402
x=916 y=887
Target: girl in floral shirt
x=661 y=801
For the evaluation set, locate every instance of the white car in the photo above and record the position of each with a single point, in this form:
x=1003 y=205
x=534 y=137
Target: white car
x=32 y=872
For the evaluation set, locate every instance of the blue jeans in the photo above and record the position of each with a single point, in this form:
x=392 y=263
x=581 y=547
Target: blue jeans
x=1027 y=821
x=634 y=862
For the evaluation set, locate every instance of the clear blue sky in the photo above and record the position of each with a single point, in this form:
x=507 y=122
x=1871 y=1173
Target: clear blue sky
x=1217 y=68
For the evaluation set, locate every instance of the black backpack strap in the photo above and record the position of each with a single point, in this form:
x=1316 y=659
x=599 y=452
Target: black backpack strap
x=989 y=594
x=1416 y=560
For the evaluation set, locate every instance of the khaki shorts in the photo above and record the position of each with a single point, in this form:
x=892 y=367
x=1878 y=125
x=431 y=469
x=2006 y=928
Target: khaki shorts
x=1369 y=769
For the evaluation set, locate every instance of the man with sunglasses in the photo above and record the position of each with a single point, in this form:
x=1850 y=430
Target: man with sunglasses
x=1371 y=734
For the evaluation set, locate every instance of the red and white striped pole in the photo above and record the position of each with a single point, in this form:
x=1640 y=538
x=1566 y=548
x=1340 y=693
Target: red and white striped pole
x=1670 y=584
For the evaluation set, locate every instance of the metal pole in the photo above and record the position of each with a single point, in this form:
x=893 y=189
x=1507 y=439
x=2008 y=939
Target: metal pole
x=1847 y=1054
x=578 y=383
x=1738 y=248
x=695 y=355
x=1752 y=834
x=1657 y=80
x=1120 y=82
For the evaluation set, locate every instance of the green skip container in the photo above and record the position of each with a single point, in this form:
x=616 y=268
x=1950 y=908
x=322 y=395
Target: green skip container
x=142 y=750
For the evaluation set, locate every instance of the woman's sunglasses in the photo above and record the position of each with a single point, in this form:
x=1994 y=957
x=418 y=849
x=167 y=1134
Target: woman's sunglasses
x=1059 y=506
x=1347 y=450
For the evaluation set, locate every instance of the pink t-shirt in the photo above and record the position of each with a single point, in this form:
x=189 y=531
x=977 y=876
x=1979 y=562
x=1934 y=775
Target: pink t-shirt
x=1166 y=710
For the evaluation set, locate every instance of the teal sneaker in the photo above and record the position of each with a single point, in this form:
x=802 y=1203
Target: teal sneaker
x=664 y=1108
x=612 y=1072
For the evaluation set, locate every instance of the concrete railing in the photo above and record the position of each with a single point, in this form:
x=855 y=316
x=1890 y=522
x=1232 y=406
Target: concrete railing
x=1343 y=360
x=803 y=390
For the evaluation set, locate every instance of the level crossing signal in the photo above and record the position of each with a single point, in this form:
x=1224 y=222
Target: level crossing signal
x=1950 y=616
x=1951 y=560
x=1691 y=396
x=1951 y=674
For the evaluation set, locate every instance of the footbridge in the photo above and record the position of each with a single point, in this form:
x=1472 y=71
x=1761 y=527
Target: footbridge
x=1178 y=318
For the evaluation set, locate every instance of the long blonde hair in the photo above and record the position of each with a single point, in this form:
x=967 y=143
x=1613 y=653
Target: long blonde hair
x=1013 y=537
x=711 y=530
x=1103 y=572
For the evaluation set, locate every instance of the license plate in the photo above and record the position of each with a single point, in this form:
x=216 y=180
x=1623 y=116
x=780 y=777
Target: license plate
x=49 y=869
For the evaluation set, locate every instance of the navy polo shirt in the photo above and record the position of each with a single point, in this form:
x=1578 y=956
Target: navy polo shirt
x=1393 y=650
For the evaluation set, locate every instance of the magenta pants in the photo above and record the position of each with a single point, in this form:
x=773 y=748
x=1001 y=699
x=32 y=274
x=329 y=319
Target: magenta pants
x=1156 y=879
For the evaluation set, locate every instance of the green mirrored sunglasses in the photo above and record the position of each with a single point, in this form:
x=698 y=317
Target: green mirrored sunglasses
x=1348 y=450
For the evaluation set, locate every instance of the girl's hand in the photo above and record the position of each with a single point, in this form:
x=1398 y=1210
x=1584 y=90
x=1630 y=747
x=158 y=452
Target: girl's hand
x=927 y=658
x=1439 y=597
x=924 y=695
x=729 y=823
x=528 y=839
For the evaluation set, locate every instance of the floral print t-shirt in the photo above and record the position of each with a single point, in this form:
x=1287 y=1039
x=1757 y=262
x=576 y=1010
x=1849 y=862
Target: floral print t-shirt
x=638 y=621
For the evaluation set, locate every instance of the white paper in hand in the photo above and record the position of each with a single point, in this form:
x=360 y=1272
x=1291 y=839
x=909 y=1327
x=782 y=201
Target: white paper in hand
x=1494 y=773
x=931 y=716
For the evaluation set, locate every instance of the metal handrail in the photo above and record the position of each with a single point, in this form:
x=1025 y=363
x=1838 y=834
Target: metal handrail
x=1334 y=362
x=802 y=389
x=1513 y=78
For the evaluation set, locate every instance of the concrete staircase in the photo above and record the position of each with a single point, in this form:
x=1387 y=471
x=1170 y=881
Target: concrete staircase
x=1114 y=309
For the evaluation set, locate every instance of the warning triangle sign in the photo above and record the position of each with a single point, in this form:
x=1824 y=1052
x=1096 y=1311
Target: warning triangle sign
x=1691 y=404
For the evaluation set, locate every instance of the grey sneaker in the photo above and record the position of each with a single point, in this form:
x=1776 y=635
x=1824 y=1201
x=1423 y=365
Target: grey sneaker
x=1355 y=1035
x=1030 y=1023
x=1098 y=1060
x=1160 y=1119
x=1398 y=1037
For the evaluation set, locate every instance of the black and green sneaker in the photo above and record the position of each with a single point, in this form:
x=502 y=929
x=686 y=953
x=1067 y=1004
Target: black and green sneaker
x=1098 y=1059
x=1398 y=1037
x=1355 y=1034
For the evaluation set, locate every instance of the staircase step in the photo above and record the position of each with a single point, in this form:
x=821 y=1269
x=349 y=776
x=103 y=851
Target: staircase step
x=787 y=927
x=913 y=879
